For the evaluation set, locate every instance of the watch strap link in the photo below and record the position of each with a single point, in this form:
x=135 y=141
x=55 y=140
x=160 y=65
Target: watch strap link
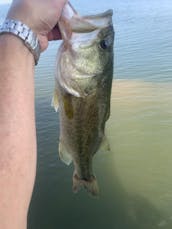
x=22 y=31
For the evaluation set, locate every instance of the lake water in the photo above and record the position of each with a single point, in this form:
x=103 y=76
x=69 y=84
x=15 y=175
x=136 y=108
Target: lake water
x=135 y=178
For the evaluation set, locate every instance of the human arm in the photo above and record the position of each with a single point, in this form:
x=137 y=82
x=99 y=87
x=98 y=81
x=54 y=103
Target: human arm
x=17 y=118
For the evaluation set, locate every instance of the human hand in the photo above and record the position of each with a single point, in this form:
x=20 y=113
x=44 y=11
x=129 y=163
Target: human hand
x=41 y=16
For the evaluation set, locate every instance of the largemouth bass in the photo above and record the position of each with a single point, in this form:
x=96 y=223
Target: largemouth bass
x=82 y=90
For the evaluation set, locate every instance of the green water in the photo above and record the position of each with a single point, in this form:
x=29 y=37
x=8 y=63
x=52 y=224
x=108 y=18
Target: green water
x=135 y=178
x=139 y=131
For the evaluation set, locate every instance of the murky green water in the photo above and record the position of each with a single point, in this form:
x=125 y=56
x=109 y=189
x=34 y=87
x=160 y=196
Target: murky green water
x=140 y=131
x=135 y=178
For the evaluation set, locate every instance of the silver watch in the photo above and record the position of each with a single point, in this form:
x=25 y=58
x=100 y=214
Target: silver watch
x=23 y=32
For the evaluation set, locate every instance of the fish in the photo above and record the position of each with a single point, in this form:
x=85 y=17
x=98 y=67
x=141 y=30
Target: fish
x=83 y=81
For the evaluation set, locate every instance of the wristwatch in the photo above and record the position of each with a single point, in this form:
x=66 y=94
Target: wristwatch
x=22 y=31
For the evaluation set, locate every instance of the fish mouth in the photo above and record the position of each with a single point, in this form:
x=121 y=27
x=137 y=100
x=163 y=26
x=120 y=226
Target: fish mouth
x=99 y=15
x=71 y=21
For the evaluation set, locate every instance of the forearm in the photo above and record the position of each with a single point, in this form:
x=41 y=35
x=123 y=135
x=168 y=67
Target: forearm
x=17 y=132
x=17 y=119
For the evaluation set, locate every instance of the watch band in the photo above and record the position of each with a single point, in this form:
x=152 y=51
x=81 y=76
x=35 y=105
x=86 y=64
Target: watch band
x=22 y=31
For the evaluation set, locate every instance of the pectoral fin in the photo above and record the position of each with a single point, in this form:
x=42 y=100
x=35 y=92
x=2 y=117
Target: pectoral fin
x=54 y=102
x=64 y=155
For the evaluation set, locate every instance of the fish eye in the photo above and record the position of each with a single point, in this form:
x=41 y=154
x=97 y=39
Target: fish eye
x=104 y=44
x=107 y=42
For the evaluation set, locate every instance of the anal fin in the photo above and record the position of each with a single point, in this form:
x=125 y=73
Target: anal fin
x=54 y=102
x=104 y=146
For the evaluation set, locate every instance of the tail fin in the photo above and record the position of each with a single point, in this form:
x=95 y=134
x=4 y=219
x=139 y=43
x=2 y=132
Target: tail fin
x=90 y=185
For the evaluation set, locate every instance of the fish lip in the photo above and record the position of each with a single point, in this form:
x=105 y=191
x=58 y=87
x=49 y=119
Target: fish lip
x=100 y=20
x=100 y=15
